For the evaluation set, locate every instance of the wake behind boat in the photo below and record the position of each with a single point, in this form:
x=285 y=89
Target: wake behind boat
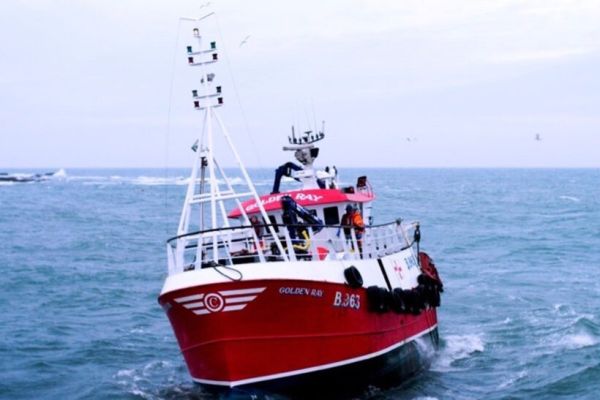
x=291 y=292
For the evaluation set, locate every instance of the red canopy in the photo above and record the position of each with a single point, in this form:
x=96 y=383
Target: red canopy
x=306 y=198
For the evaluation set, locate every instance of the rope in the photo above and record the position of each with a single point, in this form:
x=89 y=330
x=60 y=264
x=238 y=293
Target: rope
x=241 y=276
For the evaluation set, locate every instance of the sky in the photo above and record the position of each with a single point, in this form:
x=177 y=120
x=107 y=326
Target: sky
x=430 y=83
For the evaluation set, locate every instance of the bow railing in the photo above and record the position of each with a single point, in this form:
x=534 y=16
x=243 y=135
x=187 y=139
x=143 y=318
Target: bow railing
x=254 y=244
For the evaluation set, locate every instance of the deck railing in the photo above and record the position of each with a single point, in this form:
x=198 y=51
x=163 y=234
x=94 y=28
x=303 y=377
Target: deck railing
x=252 y=244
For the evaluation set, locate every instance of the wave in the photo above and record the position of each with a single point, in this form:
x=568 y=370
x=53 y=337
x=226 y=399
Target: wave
x=563 y=309
x=61 y=173
x=578 y=340
x=31 y=177
x=514 y=378
x=457 y=347
x=86 y=178
x=141 y=382
x=144 y=180
x=157 y=181
x=571 y=198
x=575 y=331
x=141 y=180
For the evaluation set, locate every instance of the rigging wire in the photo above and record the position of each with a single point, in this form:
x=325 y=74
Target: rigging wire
x=168 y=131
x=237 y=95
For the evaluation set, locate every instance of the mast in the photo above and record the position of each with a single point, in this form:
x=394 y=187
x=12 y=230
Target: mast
x=206 y=171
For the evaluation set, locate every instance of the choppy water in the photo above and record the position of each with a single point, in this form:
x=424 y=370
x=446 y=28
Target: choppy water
x=82 y=261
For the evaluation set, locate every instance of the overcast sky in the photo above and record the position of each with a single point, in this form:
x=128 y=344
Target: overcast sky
x=399 y=83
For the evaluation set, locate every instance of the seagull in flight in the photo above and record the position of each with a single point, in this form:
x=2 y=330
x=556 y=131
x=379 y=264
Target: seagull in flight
x=243 y=42
x=205 y=5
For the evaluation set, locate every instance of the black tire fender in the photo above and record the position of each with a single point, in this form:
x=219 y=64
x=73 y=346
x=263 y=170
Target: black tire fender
x=353 y=277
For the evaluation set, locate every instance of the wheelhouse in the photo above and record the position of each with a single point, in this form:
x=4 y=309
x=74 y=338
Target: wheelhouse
x=328 y=205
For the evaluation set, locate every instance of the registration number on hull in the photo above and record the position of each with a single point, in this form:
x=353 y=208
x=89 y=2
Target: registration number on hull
x=346 y=300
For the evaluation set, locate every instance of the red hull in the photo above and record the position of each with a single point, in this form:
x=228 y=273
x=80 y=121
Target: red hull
x=248 y=332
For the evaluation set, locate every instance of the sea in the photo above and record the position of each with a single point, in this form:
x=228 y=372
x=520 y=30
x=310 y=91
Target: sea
x=83 y=259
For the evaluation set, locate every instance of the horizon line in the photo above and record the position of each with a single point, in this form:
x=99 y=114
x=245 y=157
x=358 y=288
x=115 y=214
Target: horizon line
x=338 y=167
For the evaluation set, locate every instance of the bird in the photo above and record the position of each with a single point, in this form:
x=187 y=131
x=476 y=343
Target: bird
x=538 y=137
x=243 y=42
x=205 y=5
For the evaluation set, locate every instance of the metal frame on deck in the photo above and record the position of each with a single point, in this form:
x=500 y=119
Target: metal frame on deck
x=206 y=170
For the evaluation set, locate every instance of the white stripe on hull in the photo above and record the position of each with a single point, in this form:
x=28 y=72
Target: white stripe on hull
x=240 y=292
x=194 y=305
x=244 y=299
x=189 y=298
x=235 y=308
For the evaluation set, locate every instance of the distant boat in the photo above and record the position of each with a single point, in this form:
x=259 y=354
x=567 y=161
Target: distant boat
x=23 y=177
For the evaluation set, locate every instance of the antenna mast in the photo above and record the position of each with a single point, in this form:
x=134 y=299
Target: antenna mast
x=206 y=170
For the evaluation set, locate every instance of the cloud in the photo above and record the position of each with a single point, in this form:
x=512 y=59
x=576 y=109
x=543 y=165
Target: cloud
x=537 y=55
x=106 y=69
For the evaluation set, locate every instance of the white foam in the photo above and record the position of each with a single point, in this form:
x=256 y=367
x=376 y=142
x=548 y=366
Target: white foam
x=125 y=373
x=143 y=180
x=563 y=310
x=425 y=347
x=179 y=180
x=61 y=173
x=99 y=183
x=139 y=381
x=158 y=181
x=578 y=341
x=457 y=347
x=571 y=198
x=21 y=175
x=8 y=183
x=140 y=393
x=513 y=379
x=236 y=180
x=86 y=178
x=153 y=365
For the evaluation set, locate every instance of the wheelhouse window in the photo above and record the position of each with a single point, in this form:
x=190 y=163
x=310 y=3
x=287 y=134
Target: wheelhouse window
x=332 y=215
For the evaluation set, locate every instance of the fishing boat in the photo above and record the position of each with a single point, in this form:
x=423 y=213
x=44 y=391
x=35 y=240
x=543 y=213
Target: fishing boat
x=280 y=292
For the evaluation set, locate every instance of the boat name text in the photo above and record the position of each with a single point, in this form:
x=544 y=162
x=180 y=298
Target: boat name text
x=301 y=291
x=308 y=197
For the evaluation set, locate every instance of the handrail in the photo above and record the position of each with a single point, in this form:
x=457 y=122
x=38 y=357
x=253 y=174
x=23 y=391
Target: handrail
x=331 y=242
x=240 y=227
